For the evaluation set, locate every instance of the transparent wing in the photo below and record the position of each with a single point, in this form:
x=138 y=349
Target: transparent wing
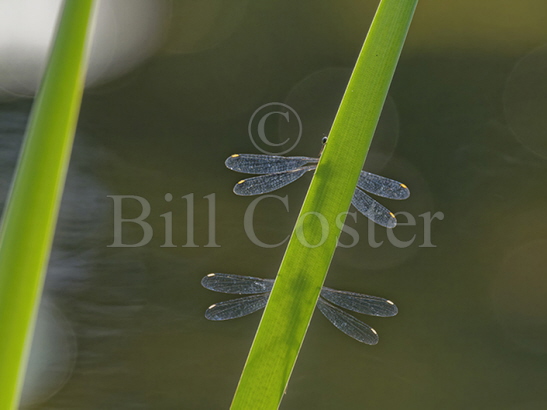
x=234 y=308
x=270 y=182
x=384 y=187
x=236 y=284
x=373 y=210
x=357 y=302
x=266 y=164
x=347 y=323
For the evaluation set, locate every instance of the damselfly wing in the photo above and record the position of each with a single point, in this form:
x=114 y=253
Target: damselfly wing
x=329 y=304
x=278 y=171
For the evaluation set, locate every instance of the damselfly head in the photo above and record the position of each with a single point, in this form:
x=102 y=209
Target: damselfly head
x=323 y=144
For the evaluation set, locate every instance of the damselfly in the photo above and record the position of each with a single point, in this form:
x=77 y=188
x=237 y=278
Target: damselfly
x=280 y=171
x=259 y=291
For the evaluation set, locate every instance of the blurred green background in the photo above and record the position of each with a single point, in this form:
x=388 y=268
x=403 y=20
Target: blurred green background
x=463 y=127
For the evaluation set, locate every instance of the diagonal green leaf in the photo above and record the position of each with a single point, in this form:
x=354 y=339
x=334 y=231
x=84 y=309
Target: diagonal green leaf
x=313 y=241
x=29 y=219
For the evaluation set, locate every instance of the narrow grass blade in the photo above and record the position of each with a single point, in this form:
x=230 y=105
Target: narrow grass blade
x=313 y=241
x=30 y=215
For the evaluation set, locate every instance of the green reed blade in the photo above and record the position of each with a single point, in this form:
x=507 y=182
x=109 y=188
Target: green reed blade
x=303 y=269
x=30 y=215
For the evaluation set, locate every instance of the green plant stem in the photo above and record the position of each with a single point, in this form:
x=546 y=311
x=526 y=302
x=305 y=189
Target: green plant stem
x=304 y=268
x=30 y=216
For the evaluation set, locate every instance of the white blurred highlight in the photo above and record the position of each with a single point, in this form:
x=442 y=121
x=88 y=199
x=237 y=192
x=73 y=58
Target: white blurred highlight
x=126 y=32
x=52 y=356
